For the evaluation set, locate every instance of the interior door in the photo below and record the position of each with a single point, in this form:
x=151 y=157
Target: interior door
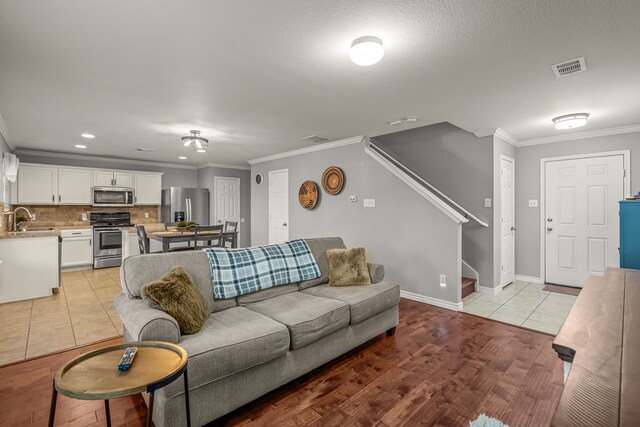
x=227 y=200
x=581 y=217
x=278 y=206
x=507 y=247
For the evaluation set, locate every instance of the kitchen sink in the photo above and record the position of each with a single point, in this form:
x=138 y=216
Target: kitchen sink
x=32 y=230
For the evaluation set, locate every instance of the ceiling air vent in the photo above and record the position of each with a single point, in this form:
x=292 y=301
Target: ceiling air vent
x=566 y=68
x=314 y=138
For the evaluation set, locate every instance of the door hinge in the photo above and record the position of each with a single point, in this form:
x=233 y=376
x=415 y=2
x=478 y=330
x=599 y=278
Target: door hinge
x=624 y=173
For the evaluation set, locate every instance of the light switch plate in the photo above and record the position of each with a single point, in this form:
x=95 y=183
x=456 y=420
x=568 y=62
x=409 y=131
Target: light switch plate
x=84 y=216
x=146 y=214
x=353 y=198
x=533 y=203
x=369 y=203
x=487 y=203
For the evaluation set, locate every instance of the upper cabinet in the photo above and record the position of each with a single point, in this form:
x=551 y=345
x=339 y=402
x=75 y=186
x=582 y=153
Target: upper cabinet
x=46 y=185
x=148 y=188
x=106 y=178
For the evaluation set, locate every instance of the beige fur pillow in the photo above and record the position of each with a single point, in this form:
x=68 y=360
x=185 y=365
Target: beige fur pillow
x=176 y=294
x=348 y=267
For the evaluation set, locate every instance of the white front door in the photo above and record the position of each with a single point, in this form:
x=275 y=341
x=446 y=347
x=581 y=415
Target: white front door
x=507 y=247
x=581 y=217
x=227 y=200
x=278 y=206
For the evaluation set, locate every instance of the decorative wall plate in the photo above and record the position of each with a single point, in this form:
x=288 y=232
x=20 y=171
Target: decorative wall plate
x=308 y=195
x=333 y=180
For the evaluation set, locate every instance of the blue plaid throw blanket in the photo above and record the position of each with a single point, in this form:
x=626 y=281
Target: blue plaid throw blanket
x=237 y=272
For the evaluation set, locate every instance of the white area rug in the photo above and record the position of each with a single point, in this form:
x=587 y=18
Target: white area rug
x=484 y=421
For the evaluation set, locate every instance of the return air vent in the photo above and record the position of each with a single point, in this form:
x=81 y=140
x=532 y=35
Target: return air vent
x=314 y=138
x=567 y=68
x=146 y=150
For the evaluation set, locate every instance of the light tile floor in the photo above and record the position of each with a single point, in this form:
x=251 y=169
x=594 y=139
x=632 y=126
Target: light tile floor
x=81 y=313
x=523 y=304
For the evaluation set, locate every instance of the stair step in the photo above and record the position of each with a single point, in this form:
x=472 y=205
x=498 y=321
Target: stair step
x=468 y=286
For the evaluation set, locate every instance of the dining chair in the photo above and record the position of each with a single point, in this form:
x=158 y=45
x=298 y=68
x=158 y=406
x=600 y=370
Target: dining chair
x=178 y=248
x=143 y=241
x=207 y=234
x=229 y=226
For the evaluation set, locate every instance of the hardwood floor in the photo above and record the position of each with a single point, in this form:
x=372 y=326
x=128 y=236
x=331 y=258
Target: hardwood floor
x=441 y=368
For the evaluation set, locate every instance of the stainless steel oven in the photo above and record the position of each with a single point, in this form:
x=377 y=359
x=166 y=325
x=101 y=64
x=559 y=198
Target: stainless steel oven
x=107 y=237
x=112 y=196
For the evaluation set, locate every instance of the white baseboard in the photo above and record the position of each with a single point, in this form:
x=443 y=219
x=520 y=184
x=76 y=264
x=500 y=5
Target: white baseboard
x=490 y=291
x=529 y=279
x=433 y=301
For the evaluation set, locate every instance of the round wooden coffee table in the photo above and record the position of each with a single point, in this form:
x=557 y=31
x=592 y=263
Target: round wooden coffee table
x=95 y=376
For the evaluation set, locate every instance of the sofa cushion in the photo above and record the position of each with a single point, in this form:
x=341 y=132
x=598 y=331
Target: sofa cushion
x=308 y=317
x=138 y=270
x=267 y=293
x=364 y=301
x=319 y=248
x=230 y=341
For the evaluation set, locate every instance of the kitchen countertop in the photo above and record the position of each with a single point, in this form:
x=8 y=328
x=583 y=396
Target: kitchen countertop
x=41 y=233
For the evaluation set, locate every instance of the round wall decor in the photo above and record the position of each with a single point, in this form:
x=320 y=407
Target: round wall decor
x=308 y=195
x=333 y=180
x=259 y=178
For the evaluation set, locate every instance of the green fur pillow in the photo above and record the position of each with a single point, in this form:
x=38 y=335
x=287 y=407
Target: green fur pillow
x=348 y=267
x=176 y=294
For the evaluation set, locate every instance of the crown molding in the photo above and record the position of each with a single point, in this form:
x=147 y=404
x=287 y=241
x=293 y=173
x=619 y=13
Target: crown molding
x=581 y=135
x=506 y=136
x=223 y=166
x=4 y=131
x=312 y=149
x=484 y=132
x=71 y=156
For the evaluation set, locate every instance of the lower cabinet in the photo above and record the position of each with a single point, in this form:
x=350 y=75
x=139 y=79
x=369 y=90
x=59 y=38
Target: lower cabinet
x=77 y=248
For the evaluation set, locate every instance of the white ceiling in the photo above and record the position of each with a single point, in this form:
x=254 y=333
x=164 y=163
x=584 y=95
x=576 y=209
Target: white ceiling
x=255 y=76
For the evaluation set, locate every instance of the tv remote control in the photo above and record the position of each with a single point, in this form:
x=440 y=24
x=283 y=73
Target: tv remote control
x=127 y=359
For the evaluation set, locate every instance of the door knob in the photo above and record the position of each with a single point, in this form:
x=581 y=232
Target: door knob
x=549 y=228
x=284 y=224
x=513 y=229
x=549 y=219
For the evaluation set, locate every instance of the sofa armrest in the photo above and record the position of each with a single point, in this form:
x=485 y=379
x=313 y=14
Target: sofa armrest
x=376 y=271
x=145 y=323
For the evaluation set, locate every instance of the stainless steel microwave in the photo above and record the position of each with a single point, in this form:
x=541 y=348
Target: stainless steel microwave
x=112 y=196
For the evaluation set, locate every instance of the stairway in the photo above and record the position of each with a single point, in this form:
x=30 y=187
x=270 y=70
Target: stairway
x=468 y=286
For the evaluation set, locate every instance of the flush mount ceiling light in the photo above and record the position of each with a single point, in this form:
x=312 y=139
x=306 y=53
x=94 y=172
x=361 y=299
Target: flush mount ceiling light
x=570 y=121
x=366 y=50
x=195 y=141
x=87 y=135
x=80 y=146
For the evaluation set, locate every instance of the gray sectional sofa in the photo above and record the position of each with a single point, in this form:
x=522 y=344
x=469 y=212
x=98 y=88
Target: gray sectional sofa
x=255 y=343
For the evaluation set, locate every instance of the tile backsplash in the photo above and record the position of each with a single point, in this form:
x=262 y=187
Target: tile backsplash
x=71 y=215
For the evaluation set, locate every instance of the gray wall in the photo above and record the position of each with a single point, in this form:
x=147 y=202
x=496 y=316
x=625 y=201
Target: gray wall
x=528 y=187
x=460 y=165
x=4 y=184
x=205 y=180
x=172 y=177
x=500 y=147
x=412 y=238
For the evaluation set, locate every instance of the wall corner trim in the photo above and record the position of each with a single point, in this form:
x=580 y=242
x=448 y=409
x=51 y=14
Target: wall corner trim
x=530 y=279
x=581 y=135
x=506 y=136
x=4 y=131
x=489 y=291
x=432 y=301
x=313 y=148
x=223 y=166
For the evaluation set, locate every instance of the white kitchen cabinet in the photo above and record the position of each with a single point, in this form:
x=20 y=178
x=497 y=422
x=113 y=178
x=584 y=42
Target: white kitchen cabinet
x=77 y=248
x=107 y=178
x=74 y=186
x=148 y=188
x=28 y=267
x=37 y=184
x=123 y=179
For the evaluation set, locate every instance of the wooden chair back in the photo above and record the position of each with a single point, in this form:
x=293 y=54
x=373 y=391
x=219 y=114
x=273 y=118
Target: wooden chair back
x=203 y=233
x=142 y=239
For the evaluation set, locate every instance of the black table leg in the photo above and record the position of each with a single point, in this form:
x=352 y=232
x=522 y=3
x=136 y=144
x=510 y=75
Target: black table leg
x=54 y=400
x=186 y=397
x=108 y=414
x=150 y=413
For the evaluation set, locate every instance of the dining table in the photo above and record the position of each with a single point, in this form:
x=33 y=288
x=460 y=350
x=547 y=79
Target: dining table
x=169 y=237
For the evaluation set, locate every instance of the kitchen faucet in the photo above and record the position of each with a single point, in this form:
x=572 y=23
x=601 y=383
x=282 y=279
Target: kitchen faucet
x=15 y=219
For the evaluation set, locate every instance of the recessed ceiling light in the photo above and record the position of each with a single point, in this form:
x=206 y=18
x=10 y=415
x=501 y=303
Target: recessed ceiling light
x=570 y=121
x=182 y=158
x=87 y=135
x=366 y=50
x=201 y=151
x=80 y=146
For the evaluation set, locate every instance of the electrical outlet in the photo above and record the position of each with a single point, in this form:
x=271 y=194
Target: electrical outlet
x=33 y=217
x=353 y=198
x=443 y=280
x=487 y=203
x=533 y=203
x=84 y=216
x=369 y=203
x=146 y=214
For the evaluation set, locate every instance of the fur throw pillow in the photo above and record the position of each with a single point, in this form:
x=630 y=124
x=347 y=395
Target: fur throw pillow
x=348 y=267
x=176 y=294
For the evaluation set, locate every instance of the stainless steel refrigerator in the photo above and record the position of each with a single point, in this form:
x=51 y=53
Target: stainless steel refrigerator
x=185 y=204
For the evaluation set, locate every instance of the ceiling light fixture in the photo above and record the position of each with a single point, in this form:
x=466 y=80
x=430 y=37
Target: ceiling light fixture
x=195 y=141
x=201 y=151
x=366 y=50
x=80 y=146
x=570 y=121
x=87 y=135
x=182 y=158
